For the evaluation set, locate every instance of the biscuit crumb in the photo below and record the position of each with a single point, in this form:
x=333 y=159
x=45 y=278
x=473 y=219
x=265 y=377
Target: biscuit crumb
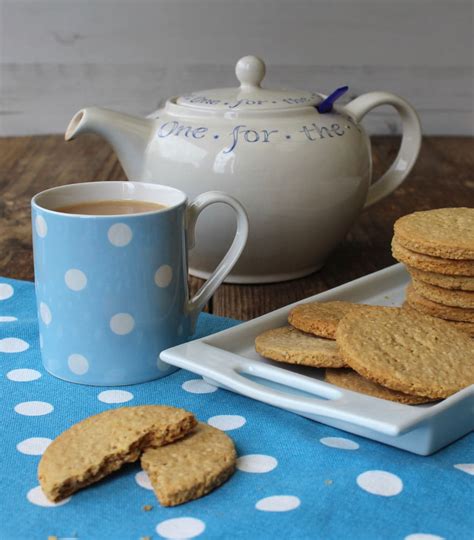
x=147 y=507
x=145 y=538
x=328 y=482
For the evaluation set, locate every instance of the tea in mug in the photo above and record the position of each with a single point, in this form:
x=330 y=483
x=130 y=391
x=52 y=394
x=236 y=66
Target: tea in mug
x=111 y=208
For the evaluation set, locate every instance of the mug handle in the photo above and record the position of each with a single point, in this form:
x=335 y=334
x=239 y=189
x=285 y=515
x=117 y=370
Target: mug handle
x=198 y=301
x=410 y=145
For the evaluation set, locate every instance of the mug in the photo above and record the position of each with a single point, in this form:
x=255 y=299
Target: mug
x=112 y=290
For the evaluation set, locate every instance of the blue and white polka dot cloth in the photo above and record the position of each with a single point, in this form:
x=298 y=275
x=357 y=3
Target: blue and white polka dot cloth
x=296 y=479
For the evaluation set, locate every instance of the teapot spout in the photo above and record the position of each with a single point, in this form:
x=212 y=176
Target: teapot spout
x=128 y=135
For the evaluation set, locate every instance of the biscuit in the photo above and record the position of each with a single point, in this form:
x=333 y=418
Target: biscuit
x=447 y=297
x=407 y=351
x=431 y=264
x=445 y=232
x=289 y=345
x=350 y=379
x=320 y=318
x=191 y=467
x=101 y=444
x=461 y=283
x=435 y=309
x=467 y=327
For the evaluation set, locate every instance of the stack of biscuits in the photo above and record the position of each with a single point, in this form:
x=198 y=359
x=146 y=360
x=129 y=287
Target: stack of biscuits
x=437 y=247
x=399 y=354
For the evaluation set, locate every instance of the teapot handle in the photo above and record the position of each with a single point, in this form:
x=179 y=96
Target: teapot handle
x=410 y=145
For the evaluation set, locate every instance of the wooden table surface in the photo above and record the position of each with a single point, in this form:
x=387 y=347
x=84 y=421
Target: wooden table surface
x=443 y=176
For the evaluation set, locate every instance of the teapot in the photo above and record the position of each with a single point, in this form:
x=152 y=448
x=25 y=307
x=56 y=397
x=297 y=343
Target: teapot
x=300 y=164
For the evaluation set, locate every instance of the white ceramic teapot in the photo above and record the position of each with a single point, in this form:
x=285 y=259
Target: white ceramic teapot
x=303 y=175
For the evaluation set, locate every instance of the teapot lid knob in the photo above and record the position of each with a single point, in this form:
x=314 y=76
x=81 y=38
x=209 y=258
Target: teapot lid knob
x=250 y=71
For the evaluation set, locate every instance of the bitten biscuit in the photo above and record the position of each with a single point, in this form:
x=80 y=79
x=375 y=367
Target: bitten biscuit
x=447 y=297
x=427 y=306
x=445 y=232
x=350 y=379
x=191 y=467
x=461 y=283
x=101 y=444
x=320 y=318
x=407 y=351
x=430 y=263
x=294 y=347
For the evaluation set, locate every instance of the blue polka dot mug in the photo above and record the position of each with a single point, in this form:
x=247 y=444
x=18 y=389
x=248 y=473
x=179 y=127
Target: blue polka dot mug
x=112 y=290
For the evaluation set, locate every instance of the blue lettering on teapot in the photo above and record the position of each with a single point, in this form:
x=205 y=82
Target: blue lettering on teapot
x=236 y=103
x=245 y=134
x=315 y=132
x=248 y=135
x=175 y=128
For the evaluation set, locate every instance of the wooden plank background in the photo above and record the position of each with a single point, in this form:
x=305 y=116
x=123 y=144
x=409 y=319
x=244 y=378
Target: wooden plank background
x=60 y=55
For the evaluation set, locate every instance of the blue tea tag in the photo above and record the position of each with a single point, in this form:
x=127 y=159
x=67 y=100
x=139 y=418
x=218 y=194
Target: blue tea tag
x=326 y=105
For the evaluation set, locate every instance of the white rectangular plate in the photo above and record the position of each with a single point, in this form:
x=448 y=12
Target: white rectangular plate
x=228 y=360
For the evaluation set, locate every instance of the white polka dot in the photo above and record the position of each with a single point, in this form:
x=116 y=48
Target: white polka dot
x=13 y=345
x=179 y=528
x=7 y=319
x=143 y=480
x=33 y=408
x=278 y=503
x=78 y=364
x=75 y=279
x=23 y=375
x=227 y=422
x=115 y=396
x=164 y=275
x=120 y=234
x=198 y=386
x=34 y=446
x=256 y=463
x=36 y=496
x=122 y=323
x=423 y=536
x=6 y=291
x=465 y=467
x=41 y=226
x=380 y=483
x=339 y=442
x=45 y=313
x=41 y=341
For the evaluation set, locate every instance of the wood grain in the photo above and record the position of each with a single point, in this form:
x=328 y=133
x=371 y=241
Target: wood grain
x=443 y=176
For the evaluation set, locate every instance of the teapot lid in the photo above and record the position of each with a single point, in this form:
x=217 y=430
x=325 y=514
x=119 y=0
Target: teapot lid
x=249 y=96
